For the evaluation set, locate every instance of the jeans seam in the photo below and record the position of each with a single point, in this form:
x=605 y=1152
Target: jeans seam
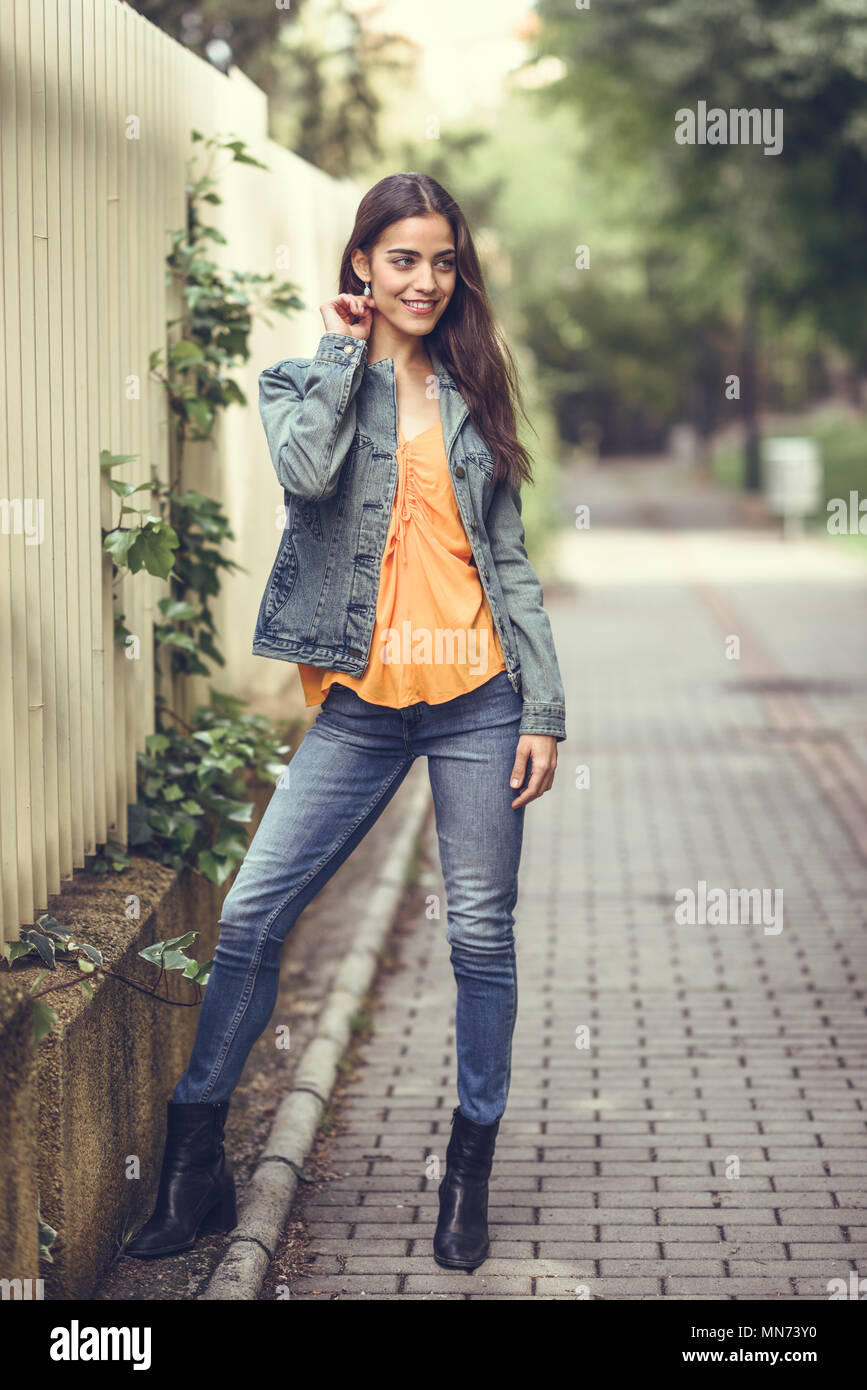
x=256 y=962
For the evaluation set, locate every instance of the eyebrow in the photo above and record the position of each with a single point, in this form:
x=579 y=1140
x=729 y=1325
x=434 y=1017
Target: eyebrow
x=408 y=251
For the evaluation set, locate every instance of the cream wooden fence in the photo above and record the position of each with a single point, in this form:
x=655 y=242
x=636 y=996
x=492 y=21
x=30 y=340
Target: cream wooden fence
x=96 y=110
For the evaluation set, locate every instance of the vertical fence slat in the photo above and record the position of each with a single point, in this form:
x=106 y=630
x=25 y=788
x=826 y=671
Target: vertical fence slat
x=65 y=391
x=121 y=790
x=31 y=615
x=15 y=892
x=105 y=386
x=79 y=264
x=51 y=410
x=124 y=367
x=43 y=722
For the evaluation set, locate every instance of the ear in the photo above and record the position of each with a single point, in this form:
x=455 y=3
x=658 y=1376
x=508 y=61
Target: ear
x=360 y=264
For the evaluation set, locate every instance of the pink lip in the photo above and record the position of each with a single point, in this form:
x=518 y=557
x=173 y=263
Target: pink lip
x=429 y=304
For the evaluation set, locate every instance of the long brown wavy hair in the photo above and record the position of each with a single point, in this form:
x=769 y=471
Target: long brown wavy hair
x=466 y=339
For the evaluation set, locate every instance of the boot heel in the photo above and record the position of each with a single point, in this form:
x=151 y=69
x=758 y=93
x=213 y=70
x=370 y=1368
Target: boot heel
x=223 y=1215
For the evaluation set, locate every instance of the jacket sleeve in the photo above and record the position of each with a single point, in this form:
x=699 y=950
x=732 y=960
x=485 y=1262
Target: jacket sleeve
x=310 y=420
x=541 y=682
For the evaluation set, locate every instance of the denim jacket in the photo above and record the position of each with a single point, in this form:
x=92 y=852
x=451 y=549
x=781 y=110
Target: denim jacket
x=331 y=426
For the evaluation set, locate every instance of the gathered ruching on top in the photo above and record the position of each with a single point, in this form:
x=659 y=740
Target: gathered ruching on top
x=434 y=589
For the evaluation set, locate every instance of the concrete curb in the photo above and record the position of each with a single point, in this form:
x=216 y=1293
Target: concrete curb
x=268 y=1198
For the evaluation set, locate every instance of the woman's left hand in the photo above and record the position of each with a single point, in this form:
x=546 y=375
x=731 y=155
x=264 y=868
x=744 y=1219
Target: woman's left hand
x=541 y=749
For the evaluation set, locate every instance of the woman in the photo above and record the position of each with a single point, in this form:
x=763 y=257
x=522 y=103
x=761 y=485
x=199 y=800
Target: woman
x=402 y=589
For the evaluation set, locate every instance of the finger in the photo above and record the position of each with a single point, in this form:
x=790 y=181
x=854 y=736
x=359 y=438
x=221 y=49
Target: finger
x=533 y=789
x=519 y=770
x=540 y=782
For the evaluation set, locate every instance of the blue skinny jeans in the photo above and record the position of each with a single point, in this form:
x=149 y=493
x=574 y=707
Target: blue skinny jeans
x=347 y=767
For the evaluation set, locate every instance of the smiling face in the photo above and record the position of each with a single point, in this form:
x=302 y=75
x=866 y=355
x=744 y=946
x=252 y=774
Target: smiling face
x=411 y=272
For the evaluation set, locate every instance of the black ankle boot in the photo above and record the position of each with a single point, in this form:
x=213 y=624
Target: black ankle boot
x=461 y=1239
x=197 y=1189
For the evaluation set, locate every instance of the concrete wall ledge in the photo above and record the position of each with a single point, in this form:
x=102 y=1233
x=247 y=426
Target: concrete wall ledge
x=79 y=1110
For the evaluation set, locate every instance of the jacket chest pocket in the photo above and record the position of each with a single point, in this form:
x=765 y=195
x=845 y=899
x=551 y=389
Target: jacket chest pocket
x=482 y=462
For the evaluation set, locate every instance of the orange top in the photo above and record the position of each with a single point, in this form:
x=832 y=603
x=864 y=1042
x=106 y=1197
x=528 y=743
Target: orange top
x=434 y=636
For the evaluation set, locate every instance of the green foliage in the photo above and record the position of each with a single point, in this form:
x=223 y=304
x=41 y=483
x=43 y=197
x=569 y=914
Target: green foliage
x=171 y=955
x=698 y=252
x=191 y=795
x=47 y=1236
x=212 y=335
x=316 y=60
x=46 y=940
x=180 y=536
x=191 y=790
x=50 y=941
x=147 y=545
x=112 y=857
x=189 y=628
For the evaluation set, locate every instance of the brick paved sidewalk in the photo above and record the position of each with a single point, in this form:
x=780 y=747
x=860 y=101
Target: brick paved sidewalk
x=709 y=1142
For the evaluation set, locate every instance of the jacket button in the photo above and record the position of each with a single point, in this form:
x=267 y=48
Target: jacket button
x=474 y=525
x=459 y=472
x=349 y=348
x=487 y=574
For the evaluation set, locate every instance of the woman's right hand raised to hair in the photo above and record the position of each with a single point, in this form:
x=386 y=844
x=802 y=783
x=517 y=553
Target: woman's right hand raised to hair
x=338 y=314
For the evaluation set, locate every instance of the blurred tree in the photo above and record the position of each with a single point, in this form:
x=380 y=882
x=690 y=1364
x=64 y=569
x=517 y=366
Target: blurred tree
x=314 y=59
x=734 y=214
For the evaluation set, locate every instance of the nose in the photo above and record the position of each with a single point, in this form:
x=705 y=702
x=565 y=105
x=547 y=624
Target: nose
x=426 y=285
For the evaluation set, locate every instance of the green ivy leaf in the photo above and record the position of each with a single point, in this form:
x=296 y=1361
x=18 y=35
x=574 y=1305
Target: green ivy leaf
x=43 y=944
x=185 y=354
x=158 y=949
x=214 y=869
x=109 y=460
x=170 y=637
x=118 y=544
x=13 y=950
x=199 y=971
x=199 y=413
x=177 y=610
x=47 y=1236
x=152 y=550
x=44 y=1019
x=239 y=812
x=127 y=489
x=51 y=927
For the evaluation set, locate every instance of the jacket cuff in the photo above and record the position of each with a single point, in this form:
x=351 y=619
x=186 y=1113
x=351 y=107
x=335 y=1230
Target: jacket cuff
x=341 y=349
x=540 y=717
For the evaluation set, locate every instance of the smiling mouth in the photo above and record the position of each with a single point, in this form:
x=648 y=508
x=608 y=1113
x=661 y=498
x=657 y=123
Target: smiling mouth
x=420 y=306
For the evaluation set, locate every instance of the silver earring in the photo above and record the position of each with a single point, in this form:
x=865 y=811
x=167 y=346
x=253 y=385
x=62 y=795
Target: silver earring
x=367 y=287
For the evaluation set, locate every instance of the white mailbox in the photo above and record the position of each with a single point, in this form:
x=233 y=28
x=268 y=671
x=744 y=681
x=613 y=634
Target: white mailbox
x=792 y=478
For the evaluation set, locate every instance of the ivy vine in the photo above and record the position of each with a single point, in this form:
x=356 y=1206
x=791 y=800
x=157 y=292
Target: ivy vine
x=190 y=797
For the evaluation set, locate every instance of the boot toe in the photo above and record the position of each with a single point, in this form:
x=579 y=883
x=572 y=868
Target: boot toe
x=453 y=1253
x=156 y=1241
